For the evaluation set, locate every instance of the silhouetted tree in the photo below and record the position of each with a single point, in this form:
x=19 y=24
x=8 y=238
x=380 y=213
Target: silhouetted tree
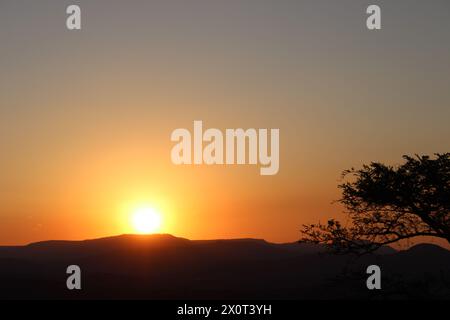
x=386 y=204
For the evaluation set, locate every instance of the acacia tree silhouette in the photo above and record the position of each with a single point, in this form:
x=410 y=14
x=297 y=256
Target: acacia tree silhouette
x=386 y=204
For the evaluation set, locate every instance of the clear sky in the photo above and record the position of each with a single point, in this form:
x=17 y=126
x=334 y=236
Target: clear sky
x=86 y=116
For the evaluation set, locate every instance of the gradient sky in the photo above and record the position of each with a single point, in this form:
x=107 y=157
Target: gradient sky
x=86 y=116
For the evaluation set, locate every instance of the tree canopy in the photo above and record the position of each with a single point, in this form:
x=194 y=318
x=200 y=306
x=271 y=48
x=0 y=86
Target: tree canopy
x=386 y=204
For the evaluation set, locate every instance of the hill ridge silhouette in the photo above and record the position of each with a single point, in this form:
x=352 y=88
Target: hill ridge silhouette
x=149 y=237
x=171 y=237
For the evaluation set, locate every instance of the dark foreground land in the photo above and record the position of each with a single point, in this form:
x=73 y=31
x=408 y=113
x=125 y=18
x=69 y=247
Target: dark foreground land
x=166 y=267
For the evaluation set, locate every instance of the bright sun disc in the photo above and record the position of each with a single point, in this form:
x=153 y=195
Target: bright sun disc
x=146 y=220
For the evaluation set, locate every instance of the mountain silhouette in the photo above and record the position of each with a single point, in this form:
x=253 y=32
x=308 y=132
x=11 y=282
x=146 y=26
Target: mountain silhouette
x=166 y=267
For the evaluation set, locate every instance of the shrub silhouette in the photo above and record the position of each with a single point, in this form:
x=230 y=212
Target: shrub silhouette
x=386 y=204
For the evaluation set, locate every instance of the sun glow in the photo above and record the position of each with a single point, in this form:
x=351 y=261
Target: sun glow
x=146 y=220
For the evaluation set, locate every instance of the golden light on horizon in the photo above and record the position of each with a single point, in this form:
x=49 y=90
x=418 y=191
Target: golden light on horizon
x=146 y=220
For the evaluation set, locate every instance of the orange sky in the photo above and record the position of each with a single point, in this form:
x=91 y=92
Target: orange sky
x=86 y=117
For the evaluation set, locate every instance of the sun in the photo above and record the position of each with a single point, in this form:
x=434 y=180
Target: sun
x=146 y=220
